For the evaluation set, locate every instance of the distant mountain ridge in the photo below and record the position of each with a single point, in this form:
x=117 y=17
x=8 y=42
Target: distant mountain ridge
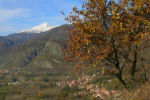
x=16 y=39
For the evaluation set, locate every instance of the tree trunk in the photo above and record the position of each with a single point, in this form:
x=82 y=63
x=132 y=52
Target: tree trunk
x=119 y=76
x=133 y=70
x=144 y=71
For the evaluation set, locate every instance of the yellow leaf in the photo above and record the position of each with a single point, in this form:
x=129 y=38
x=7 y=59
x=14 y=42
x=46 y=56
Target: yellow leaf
x=103 y=71
x=88 y=51
x=87 y=43
x=145 y=34
x=121 y=25
x=118 y=14
x=139 y=42
x=94 y=65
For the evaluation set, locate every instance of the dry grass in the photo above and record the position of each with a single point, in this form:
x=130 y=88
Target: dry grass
x=140 y=93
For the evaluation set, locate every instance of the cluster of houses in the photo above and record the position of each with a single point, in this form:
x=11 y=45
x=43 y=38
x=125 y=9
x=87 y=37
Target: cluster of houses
x=12 y=70
x=89 y=89
x=80 y=82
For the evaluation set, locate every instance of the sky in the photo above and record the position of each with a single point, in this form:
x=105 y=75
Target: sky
x=18 y=15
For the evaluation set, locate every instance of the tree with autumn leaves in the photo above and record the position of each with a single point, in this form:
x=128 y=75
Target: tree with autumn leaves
x=110 y=35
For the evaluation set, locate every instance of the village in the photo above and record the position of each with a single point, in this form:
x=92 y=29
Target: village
x=9 y=70
x=94 y=90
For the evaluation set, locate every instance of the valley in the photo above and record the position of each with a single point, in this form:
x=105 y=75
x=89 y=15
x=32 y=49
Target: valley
x=32 y=63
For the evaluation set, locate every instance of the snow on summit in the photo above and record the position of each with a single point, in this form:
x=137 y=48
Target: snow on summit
x=40 y=28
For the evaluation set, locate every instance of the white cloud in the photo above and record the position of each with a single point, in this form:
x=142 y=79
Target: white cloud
x=7 y=14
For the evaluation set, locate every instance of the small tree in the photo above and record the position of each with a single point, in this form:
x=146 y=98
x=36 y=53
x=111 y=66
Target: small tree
x=105 y=33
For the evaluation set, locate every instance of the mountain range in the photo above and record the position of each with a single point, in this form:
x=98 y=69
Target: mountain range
x=27 y=49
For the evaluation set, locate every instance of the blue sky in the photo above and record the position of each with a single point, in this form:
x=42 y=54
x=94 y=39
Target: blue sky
x=17 y=15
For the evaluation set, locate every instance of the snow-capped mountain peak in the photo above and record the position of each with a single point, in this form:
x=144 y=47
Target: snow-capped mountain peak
x=40 y=28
